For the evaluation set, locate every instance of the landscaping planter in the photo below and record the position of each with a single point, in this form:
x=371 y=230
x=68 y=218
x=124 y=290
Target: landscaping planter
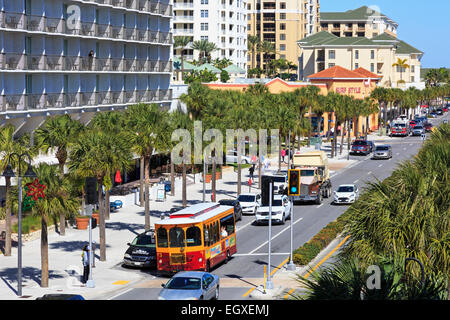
x=82 y=223
x=209 y=177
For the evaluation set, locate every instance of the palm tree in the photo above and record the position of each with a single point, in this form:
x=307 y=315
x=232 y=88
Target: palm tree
x=253 y=44
x=112 y=123
x=222 y=63
x=9 y=145
x=58 y=132
x=181 y=42
x=149 y=128
x=206 y=48
x=402 y=65
x=268 y=48
x=97 y=154
x=57 y=199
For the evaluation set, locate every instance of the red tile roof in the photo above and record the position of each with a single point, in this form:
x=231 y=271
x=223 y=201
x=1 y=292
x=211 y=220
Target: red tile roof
x=337 y=72
x=367 y=73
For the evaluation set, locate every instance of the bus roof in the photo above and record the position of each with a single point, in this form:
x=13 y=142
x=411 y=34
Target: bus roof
x=195 y=214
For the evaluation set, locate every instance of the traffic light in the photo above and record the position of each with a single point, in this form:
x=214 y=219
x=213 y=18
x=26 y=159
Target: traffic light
x=93 y=223
x=294 y=182
x=90 y=189
x=265 y=190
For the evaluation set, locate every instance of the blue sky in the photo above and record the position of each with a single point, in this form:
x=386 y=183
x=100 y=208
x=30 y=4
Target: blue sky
x=423 y=24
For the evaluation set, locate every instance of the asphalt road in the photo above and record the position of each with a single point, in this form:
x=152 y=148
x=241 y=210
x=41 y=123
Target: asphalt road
x=308 y=220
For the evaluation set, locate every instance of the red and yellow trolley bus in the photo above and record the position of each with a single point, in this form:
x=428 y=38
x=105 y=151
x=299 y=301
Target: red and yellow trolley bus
x=195 y=238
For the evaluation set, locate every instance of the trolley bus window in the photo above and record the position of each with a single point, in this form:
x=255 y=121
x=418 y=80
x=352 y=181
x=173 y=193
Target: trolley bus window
x=216 y=232
x=206 y=235
x=161 y=235
x=193 y=237
x=228 y=223
x=176 y=237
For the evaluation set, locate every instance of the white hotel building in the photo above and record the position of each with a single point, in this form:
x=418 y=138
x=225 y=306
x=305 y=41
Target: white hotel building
x=46 y=67
x=223 y=22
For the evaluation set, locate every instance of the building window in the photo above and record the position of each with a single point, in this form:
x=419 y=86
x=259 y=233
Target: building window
x=204 y=2
x=372 y=67
x=282 y=5
x=282 y=26
x=282 y=36
x=282 y=56
x=204 y=26
x=413 y=69
x=357 y=54
x=331 y=65
x=372 y=54
x=249 y=27
x=282 y=47
x=282 y=16
x=204 y=38
x=331 y=54
x=204 y=13
x=356 y=65
x=412 y=79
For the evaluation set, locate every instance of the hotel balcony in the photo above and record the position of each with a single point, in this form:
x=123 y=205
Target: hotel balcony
x=39 y=101
x=183 y=5
x=18 y=21
x=36 y=62
x=183 y=18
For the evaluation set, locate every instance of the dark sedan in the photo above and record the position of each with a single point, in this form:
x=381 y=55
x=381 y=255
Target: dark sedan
x=236 y=205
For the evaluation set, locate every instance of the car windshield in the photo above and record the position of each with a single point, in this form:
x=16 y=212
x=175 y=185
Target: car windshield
x=243 y=198
x=360 y=143
x=345 y=189
x=277 y=203
x=400 y=125
x=418 y=127
x=183 y=283
x=382 y=149
x=145 y=240
x=227 y=202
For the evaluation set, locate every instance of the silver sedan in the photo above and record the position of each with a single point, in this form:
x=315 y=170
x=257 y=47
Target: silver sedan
x=382 y=152
x=191 y=285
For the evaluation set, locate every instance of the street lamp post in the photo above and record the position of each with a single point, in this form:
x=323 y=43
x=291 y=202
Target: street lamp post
x=28 y=174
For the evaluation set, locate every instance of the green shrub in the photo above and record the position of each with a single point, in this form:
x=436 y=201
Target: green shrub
x=29 y=224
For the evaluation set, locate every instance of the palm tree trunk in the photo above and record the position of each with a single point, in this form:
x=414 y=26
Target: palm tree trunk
x=8 y=218
x=342 y=138
x=319 y=124
x=239 y=165
x=279 y=153
x=141 y=180
x=44 y=251
x=172 y=178
x=182 y=63
x=310 y=127
x=183 y=191
x=107 y=207
x=102 y=227
x=348 y=138
x=147 y=193
x=62 y=215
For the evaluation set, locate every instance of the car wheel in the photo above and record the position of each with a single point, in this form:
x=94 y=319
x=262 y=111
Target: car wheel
x=216 y=296
x=319 y=198
x=228 y=257
x=283 y=219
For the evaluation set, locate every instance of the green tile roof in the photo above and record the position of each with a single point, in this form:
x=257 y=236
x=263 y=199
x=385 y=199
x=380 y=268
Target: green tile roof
x=363 y=14
x=404 y=48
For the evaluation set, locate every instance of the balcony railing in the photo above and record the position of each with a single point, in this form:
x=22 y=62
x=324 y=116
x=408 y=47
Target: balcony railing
x=36 y=101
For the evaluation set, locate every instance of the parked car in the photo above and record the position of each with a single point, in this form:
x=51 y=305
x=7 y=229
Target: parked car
x=433 y=114
x=400 y=130
x=412 y=124
x=428 y=127
x=346 y=193
x=114 y=205
x=236 y=205
x=249 y=202
x=281 y=210
x=382 y=152
x=418 y=130
x=60 y=296
x=142 y=251
x=445 y=109
x=439 y=112
x=191 y=285
x=360 y=147
x=232 y=157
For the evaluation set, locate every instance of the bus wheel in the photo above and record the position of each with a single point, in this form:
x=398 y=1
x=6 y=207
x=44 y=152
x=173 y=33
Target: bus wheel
x=208 y=266
x=228 y=257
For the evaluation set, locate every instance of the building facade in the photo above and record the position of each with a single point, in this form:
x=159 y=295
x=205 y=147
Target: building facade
x=362 y=22
x=378 y=55
x=282 y=23
x=82 y=57
x=222 y=22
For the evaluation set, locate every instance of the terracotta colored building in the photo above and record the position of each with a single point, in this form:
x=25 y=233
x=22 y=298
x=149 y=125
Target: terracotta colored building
x=358 y=83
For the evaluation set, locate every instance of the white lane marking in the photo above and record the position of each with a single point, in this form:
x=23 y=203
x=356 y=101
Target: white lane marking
x=122 y=293
x=370 y=172
x=410 y=144
x=266 y=242
x=397 y=154
x=404 y=149
x=246 y=225
x=319 y=206
x=260 y=254
x=356 y=181
x=380 y=166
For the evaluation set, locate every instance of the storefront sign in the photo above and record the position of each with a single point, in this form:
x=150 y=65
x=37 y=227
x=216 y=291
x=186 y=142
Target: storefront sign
x=348 y=90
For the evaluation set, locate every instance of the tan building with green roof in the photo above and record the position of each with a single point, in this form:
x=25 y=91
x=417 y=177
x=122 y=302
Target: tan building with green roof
x=366 y=22
x=325 y=50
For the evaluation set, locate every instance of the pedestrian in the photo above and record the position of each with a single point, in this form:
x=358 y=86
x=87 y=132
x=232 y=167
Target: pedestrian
x=252 y=171
x=283 y=154
x=91 y=59
x=85 y=261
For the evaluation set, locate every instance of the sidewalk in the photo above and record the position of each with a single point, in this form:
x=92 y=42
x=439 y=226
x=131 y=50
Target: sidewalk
x=65 y=268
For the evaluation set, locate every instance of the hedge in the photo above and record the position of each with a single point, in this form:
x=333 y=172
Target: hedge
x=307 y=252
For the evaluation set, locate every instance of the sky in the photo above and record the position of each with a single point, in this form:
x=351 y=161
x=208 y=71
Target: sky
x=423 y=24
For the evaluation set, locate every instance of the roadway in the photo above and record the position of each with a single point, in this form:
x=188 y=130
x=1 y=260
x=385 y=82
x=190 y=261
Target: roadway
x=245 y=269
